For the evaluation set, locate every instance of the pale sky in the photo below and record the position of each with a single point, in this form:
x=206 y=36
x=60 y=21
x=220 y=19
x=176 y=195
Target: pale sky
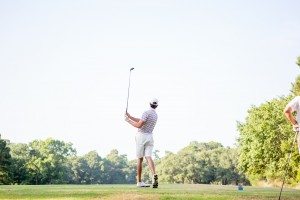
x=64 y=68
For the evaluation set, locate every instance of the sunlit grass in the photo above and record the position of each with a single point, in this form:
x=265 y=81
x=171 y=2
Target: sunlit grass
x=165 y=192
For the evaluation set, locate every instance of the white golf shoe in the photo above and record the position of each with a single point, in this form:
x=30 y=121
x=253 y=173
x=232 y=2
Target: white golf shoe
x=142 y=184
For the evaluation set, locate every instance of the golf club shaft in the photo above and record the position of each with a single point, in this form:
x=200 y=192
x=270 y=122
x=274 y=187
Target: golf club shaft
x=288 y=162
x=128 y=89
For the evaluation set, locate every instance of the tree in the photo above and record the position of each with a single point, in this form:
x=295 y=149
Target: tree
x=94 y=163
x=296 y=86
x=265 y=141
x=168 y=168
x=78 y=170
x=19 y=172
x=48 y=160
x=5 y=162
x=115 y=166
x=226 y=162
x=130 y=172
x=201 y=163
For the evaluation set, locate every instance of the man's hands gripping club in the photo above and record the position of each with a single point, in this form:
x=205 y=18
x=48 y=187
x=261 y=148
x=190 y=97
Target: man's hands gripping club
x=135 y=122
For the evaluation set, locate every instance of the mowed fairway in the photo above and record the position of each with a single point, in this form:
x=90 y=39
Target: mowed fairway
x=118 y=192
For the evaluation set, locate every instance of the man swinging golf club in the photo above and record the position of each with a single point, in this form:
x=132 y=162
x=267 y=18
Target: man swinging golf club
x=294 y=106
x=144 y=141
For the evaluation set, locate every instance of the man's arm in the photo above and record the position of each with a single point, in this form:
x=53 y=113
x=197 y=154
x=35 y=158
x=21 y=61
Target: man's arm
x=135 y=122
x=138 y=124
x=288 y=112
x=132 y=118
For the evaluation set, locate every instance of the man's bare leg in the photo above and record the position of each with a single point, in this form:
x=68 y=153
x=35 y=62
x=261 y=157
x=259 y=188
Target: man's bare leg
x=139 y=169
x=151 y=164
x=152 y=168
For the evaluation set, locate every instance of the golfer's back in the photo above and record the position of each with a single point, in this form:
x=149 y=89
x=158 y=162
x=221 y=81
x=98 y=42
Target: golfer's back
x=150 y=119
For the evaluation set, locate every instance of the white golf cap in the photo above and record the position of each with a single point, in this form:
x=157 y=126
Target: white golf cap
x=154 y=101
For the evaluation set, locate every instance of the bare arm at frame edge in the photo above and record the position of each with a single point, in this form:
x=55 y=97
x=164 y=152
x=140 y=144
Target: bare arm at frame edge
x=288 y=112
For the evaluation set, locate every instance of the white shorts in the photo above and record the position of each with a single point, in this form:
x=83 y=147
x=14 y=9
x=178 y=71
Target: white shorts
x=144 y=145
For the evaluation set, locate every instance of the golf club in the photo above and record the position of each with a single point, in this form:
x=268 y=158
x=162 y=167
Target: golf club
x=288 y=162
x=128 y=88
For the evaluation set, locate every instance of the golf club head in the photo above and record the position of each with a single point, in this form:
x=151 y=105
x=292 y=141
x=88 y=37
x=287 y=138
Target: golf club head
x=131 y=68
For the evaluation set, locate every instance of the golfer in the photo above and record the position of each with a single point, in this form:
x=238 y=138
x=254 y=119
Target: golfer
x=294 y=106
x=144 y=141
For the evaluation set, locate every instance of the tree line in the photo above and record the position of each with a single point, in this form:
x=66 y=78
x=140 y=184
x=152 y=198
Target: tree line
x=52 y=161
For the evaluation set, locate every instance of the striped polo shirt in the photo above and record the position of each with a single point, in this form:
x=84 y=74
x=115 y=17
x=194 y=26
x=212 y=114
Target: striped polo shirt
x=150 y=118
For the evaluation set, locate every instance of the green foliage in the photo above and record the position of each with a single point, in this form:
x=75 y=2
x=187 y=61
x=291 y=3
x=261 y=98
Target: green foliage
x=116 y=166
x=19 y=173
x=51 y=161
x=5 y=162
x=47 y=160
x=298 y=61
x=265 y=141
x=201 y=163
x=130 y=172
x=296 y=86
x=87 y=169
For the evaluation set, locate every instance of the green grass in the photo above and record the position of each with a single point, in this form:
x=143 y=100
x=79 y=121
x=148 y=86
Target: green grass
x=130 y=192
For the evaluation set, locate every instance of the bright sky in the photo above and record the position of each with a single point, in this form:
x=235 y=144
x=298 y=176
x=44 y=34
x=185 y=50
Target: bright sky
x=64 y=68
